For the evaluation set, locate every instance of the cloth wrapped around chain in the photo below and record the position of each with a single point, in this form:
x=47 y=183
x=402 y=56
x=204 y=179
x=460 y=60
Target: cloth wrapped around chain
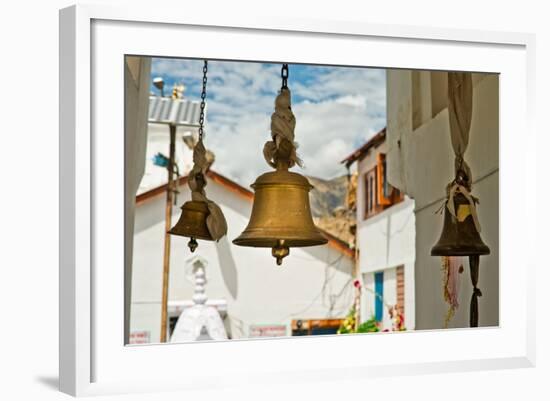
x=215 y=222
x=460 y=120
x=282 y=148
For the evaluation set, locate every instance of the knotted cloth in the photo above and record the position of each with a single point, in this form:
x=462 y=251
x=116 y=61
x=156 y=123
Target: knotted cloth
x=452 y=266
x=460 y=116
x=215 y=221
x=454 y=188
x=282 y=147
x=460 y=121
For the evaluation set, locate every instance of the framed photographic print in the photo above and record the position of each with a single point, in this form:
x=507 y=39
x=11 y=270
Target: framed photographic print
x=259 y=199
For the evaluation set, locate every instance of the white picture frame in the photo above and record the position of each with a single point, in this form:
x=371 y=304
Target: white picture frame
x=93 y=358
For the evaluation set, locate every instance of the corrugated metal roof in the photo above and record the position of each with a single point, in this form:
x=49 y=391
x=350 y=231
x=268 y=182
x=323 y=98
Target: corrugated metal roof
x=165 y=110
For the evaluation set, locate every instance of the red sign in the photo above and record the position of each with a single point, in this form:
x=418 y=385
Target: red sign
x=267 y=330
x=140 y=337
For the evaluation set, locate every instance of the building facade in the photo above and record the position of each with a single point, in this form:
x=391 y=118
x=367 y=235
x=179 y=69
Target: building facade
x=309 y=294
x=385 y=238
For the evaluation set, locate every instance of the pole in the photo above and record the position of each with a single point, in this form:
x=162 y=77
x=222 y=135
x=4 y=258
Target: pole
x=167 y=226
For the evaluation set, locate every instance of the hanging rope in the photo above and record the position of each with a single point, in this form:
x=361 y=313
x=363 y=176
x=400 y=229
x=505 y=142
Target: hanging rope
x=474 y=274
x=215 y=221
x=281 y=150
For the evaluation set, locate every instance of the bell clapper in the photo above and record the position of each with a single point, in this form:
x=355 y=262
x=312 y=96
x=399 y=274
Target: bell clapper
x=192 y=244
x=280 y=251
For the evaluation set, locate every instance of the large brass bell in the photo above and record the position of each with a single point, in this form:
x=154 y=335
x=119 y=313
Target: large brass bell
x=459 y=236
x=192 y=223
x=281 y=216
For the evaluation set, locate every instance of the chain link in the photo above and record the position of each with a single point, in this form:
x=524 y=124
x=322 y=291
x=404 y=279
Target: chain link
x=284 y=76
x=203 y=99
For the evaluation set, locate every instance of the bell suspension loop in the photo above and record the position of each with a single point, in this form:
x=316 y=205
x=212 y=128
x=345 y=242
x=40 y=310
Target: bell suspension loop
x=284 y=76
x=203 y=99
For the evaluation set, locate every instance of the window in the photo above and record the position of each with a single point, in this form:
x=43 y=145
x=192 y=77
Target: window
x=379 y=296
x=370 y=185
x=384 y=190
x=379 y=193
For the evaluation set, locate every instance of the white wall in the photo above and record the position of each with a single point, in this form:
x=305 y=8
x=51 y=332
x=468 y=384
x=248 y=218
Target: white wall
x=387 y=238
x=158 y=141
x=422 y=166
x=256 y=289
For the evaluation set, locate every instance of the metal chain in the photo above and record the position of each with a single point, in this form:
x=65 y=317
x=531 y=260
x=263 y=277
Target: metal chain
x=284 y=76
x=203 y=98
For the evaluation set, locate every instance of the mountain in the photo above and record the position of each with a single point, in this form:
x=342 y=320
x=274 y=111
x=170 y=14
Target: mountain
x=327 y=195
x=327 y=202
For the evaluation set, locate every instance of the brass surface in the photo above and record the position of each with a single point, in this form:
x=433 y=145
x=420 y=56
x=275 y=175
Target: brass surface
x=459 y=236
x=281 y=215
x=280 y=251
x=192 y=222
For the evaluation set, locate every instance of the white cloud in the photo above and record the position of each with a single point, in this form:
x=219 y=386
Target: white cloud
x=358 y=101
x=336 y=109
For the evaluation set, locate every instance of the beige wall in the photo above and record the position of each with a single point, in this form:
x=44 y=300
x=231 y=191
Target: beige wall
x=421 y=162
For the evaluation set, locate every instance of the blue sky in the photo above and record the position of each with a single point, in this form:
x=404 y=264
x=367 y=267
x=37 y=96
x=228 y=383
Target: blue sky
x=337 y=109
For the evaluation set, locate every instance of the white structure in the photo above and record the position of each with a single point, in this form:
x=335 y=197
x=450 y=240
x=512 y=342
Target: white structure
x=253 y=295
x=199 y=321
x=421 y=164
x=385 y=237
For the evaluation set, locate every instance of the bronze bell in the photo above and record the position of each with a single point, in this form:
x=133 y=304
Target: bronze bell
x=192 y=223
x=281 y=216
x=459 y=238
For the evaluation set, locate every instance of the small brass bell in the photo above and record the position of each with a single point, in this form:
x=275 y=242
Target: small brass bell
x=459 y=236
x=200 y=217
x=281 y=216
x=192 y=223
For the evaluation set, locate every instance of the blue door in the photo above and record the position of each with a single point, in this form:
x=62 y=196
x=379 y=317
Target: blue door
x=378 y=298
